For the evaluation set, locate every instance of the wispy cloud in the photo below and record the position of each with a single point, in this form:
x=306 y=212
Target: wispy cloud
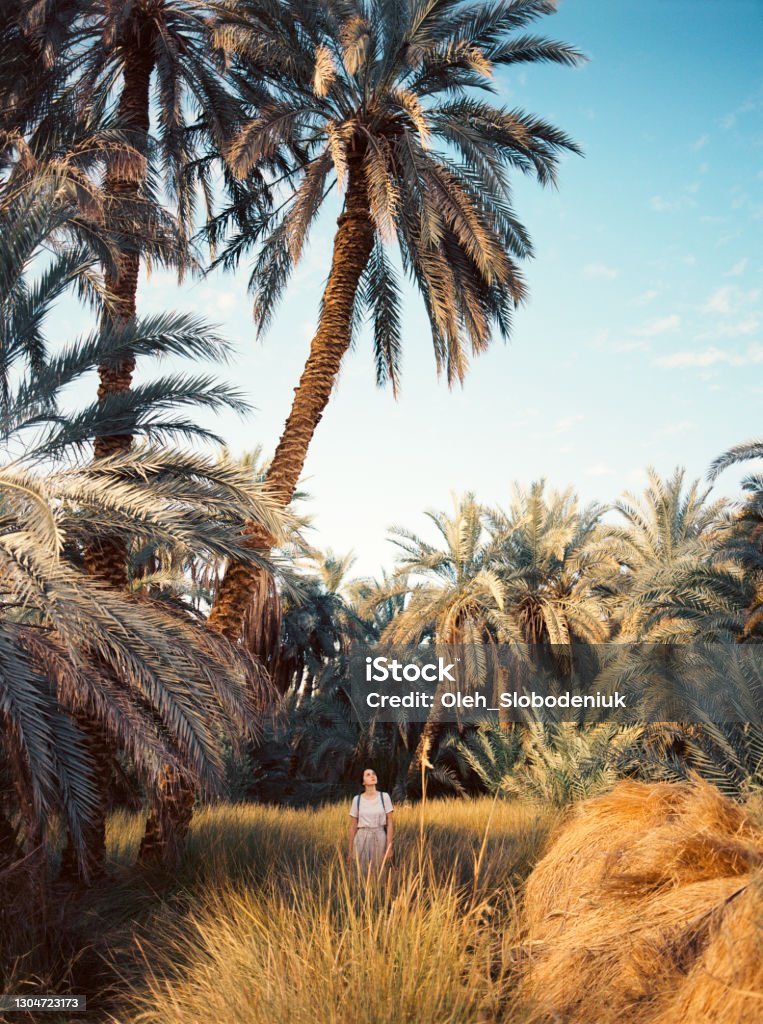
x=739 y=268
x=661 y=326
x=646 y=297
x=599 y=469
x=566 y=423
x=662 y=205
x=599 y=270
x=729 y=299
x=740 y=329
x=700 y=143
x=681 y=427
x=561 y=427
x=712 y=356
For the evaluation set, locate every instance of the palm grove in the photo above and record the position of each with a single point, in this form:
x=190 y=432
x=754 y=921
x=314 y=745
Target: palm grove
x=164 y=621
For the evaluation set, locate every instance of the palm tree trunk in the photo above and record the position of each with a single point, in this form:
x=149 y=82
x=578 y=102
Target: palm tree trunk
x=107 y=558
x=170 y=815
x=352 y=247
x=169 y=820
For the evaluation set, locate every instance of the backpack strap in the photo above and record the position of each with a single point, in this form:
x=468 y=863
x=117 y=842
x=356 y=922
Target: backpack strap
x=358 y=806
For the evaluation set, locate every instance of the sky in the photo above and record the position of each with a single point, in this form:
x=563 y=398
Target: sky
x=642 y=339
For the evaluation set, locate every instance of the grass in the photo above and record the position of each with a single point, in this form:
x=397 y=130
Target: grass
x=265 y=922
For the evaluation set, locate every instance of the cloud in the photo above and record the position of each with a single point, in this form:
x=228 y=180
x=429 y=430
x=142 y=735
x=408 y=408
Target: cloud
x=646 y=297
x=661 y=205
x=700 y=143
x=682 y=427
x=562 y=426
x=737 y=330
x=599 y=270
x=661 y=326
x=566 y=423
x=710 y=357
x=728 y=121
x=729 y=299
x=738 y=268
x=599 y=469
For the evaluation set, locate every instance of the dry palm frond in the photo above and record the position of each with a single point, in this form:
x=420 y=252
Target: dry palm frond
x=337 y=145
x=354 y=36
x=325 y=71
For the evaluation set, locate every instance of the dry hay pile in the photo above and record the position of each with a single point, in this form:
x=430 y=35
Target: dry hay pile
x=648 y=909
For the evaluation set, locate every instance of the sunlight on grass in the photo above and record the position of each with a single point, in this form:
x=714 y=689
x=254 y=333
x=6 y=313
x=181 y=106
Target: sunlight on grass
x=276 y=928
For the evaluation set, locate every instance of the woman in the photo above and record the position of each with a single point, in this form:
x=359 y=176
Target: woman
x=371 y=826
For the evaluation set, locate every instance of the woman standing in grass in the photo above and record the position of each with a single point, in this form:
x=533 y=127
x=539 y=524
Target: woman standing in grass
x=371 y=826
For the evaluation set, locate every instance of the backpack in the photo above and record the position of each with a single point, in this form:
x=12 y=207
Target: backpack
x=381 y=797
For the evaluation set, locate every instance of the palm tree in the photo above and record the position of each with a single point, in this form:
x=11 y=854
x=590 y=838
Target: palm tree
x=32 y=72
x=109 y=65
x=318 y=623
x=743 y=542
x=152 y=53
x=680 y=588
x=378 y=99
x=556 y=576
x=676 y=581
x=739 y=453
x=563 y=762
x=459 y=601
x=85 y=666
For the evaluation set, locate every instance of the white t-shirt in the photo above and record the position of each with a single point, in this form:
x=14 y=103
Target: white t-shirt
x=371 y=813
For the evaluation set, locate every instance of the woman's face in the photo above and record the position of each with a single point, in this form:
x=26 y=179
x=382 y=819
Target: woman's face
x=369 y=777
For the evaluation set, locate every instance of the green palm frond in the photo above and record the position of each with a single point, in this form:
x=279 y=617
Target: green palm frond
x=739 y=453
x=391 y=86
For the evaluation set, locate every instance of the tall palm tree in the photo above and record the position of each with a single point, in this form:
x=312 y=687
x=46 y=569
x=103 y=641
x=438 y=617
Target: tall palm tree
x=139 y=54
x=85 y=665
x=113 y=63
x=458 y=600
x=32 y=75
x=379 y=100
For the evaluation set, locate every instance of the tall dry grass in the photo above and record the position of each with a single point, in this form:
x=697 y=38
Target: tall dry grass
x=267 y=923
x=335 y=952
x=230 y=841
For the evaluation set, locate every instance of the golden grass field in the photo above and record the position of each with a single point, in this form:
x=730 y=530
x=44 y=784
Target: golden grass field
x=642 y=906
x=267 y=924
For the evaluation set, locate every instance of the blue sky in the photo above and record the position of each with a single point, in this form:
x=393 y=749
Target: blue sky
x=642 y=340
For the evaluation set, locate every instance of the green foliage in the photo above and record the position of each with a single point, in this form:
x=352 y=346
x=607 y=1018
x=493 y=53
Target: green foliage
x=391 y=95
x=563 y=763
x=142 y=671
x=484 y=756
